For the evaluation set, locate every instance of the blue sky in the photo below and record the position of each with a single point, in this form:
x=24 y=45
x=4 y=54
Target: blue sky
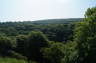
x=24 y=10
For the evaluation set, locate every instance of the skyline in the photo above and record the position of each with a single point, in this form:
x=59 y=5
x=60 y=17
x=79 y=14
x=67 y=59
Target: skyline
x=30 y=10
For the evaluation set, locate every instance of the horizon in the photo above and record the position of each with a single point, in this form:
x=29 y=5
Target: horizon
x=33 y=10
x=40 y=20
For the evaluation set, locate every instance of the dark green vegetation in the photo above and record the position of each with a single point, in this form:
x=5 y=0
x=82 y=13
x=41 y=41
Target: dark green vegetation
x=57 y=21
x=11 y=60
x=50 y=41
x=57 y=30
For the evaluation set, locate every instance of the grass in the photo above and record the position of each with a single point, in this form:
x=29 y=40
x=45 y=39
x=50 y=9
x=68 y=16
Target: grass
x=11 y=60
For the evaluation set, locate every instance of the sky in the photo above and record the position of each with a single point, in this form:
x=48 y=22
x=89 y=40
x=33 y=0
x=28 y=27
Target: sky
x=30 y=10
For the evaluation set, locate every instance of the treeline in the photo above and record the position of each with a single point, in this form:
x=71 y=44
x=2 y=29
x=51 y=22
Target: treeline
x=54 y=32
x=51 y=43
x=34 y=47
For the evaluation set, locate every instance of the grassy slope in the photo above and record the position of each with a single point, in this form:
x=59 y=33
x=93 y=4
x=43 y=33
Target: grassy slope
x=11 y=60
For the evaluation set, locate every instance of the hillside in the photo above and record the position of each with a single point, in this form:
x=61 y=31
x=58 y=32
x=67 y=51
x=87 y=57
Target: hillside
x=62 y=28
x=57 y=21
x=47 y=21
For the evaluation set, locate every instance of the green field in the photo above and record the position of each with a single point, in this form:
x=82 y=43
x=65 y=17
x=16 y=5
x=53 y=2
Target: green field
x=11 y=60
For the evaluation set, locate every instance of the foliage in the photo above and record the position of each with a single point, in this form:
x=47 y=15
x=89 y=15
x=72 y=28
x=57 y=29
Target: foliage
x=71 y=53
x=5 y=45
x=21 y=41
x=54 y=32
x=54 y=53
x=85 y=37
x=36 y=41
x=11 y=60
x=32 y=42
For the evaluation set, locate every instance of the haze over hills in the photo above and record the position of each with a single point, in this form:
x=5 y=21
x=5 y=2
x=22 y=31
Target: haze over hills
x=57 y=21
x=50 y=21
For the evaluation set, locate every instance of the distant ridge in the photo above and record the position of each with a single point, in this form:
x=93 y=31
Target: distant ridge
x=49 y=21
x=57 y=21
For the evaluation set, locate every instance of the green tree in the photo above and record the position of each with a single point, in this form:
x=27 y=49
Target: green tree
x=85 y=37
x=54 y=53
x=36 y=41
x=71 y=53
x=21 y=42
x=5 y=46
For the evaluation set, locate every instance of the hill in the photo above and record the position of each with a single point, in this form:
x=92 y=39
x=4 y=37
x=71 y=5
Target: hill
x=57 y=21
x=47 y=21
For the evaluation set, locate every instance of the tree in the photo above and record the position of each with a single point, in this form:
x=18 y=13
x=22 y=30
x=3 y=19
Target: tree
x=54 y=53
x=36 y=41
x=21 y=42
x=5 y=45
x=71 y=52
x=85 y=36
